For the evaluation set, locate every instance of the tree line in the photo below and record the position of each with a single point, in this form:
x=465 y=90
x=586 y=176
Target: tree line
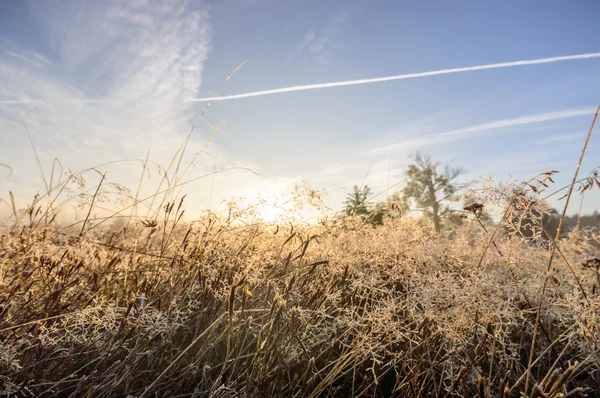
x=432 y=187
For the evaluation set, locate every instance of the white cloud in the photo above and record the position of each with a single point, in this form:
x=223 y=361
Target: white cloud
x=457 y=134
x=498 y=124
x=565 y=137
x=318 y=44
x=33 y=58
x=112 y=86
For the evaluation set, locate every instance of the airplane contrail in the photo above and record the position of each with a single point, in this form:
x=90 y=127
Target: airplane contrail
x=399 y=77
x=464 y=132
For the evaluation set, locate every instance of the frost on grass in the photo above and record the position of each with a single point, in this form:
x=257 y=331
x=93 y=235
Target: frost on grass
x=234 y=306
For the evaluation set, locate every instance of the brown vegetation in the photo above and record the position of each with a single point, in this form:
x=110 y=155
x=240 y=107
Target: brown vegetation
x=232 y=306
x=224 y=308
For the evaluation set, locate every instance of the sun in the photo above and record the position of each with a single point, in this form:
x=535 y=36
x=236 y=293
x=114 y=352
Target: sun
x=271 y=201
x=270 y=212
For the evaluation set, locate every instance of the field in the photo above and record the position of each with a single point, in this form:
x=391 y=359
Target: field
x=230 y=305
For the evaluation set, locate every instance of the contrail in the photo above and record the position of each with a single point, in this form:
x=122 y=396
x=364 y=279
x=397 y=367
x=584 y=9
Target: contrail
x=399 y=77
x=458 y=134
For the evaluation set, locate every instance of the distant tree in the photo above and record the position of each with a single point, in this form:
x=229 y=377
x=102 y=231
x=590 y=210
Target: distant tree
x=357 y=204
x=589 y=220
x=392 y=208
x=428 y=188
x=551 y=219
x=357 y=201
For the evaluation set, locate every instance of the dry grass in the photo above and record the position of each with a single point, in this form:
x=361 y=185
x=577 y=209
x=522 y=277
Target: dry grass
x=230 y=306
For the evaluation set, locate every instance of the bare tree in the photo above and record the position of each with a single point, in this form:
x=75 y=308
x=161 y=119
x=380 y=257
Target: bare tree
x=427 y=187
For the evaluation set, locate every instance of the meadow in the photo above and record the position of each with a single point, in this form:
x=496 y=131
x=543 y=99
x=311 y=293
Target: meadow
x=230 y=305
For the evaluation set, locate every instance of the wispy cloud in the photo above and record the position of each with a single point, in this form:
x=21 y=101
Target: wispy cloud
x=453 y=135
x=113 y=84
x=318 y=44
x=564 y=137
x=33 y=58
x=400 y=77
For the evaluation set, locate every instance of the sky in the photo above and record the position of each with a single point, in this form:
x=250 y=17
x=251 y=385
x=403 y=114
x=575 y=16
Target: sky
x=97 y=82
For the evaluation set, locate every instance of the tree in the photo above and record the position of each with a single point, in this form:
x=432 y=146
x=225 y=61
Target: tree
x=531 y=219
x=357 y=201
x=377 y=214
x=357 y=204
x=428 y=188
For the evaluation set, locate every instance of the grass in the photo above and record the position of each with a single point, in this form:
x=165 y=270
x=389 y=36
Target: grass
x=339 y=308
x=231 y=306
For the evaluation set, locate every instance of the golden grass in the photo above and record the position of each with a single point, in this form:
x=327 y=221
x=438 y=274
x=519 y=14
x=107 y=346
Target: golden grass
x=250 y=309
x=230 y=306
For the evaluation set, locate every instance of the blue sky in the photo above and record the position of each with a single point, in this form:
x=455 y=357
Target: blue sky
x=101 y=81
